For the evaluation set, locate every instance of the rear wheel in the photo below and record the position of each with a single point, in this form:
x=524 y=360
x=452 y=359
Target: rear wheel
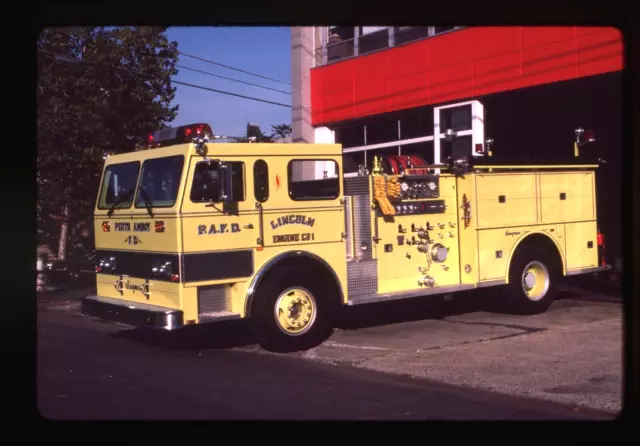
x=533 y=275
x=292 y=312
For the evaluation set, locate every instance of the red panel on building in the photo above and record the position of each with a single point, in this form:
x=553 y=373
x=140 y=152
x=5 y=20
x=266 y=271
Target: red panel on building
x=462 y=64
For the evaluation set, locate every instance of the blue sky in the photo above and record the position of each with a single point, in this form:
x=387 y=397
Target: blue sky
x=261 y=50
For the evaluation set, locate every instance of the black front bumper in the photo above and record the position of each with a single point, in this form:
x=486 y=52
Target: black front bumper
x=132 y=313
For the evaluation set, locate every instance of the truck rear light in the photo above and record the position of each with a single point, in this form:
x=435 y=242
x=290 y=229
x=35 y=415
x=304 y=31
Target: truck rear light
x=175 y=277
x=106 y=227
x=600 y=239
x=159 y=226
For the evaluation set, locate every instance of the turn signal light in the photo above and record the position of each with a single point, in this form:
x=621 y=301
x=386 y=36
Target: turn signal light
x=106 y=227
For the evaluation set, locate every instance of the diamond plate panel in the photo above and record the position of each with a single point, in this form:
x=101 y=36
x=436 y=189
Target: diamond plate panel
x=213 y=299
x=362 y=278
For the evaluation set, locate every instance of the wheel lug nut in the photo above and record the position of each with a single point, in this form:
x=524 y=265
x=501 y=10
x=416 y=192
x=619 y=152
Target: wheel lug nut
x=304 y=301
x=305 y=320
x=299 y=300
x=308 y=313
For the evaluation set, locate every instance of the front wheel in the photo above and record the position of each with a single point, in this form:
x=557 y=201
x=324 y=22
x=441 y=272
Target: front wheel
x=292 y=313
x=533 y=275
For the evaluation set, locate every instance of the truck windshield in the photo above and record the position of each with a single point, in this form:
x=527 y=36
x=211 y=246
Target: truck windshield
x=118 y=183
x=159 y=181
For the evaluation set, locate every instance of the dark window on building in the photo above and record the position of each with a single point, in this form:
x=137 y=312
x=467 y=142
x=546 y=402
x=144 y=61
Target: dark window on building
x=160 y=181
x=304 y=184
x=340 y=44
x=207 y=182
x=373 y=41
x=423 y=150
x=404 y=34
x=261 y=180
x=118 y=185
x=416 y=123
x=350 y=136
x=381 y=129
x=443 y=29
x=351 y=161
x=456 y=118
x=459 y=147
x=344 y=32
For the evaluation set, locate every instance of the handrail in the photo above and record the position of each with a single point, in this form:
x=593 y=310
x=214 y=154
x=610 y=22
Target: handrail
x=557 y=166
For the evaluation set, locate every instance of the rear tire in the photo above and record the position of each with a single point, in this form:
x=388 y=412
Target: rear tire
x=292 y=312
x=533 y=276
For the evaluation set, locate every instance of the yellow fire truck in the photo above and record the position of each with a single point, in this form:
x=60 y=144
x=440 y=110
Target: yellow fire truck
x=191 y=232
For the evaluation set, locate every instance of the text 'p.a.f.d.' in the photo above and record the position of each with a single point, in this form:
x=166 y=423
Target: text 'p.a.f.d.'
x=222 y=228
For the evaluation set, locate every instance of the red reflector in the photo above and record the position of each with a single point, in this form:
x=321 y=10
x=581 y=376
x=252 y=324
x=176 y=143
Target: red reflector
x=187 y=131
x=105 y=226
x=600 y=239
x=159 y=225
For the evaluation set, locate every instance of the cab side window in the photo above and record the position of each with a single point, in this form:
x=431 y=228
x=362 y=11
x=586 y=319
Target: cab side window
x=313 y=180
x=206 y=185
x=207 y=181
x=261 y=180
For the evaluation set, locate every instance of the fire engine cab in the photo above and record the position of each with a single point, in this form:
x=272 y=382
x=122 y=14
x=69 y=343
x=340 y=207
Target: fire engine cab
x=191 y=232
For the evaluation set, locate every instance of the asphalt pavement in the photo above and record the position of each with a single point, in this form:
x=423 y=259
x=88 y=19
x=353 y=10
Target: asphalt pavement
x=92 y=370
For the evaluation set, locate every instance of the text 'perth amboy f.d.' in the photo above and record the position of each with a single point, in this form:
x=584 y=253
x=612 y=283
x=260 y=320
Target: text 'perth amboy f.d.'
x=191 y=232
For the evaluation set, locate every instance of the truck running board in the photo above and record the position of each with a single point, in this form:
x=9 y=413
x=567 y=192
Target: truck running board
x=218 y=316
x=385 y=297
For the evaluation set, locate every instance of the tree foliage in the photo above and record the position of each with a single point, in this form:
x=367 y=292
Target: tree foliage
x=281 y=131
x=99 y=90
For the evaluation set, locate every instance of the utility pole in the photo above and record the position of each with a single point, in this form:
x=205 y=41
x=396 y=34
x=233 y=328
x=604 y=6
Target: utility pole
x=64 y=228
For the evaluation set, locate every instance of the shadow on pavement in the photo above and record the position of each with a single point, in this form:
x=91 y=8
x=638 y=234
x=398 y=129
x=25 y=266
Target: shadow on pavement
x=422 y=308
x=233 y=334
x=217 y=336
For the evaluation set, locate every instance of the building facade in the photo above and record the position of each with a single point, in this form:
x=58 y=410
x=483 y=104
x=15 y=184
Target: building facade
x=395 y=90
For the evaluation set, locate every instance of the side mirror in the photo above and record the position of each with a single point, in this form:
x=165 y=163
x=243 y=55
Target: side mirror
x=582 y=139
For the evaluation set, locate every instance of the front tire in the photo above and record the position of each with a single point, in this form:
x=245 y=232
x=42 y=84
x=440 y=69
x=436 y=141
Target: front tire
x=533 y=276
x=292 y=312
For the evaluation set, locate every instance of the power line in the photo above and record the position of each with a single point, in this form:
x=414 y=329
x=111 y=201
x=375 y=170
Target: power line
x=231 y=79
x=232 y=68
x=136 y=73
x=231 y=94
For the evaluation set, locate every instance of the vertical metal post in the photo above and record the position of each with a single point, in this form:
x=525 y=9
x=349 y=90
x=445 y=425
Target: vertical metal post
x=392 y=36
x=356 y=37
x=399 y=138
x=325 y=40
x=365 y=143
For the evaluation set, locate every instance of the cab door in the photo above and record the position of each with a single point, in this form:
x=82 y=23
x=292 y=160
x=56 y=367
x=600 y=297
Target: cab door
x=220 y=224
